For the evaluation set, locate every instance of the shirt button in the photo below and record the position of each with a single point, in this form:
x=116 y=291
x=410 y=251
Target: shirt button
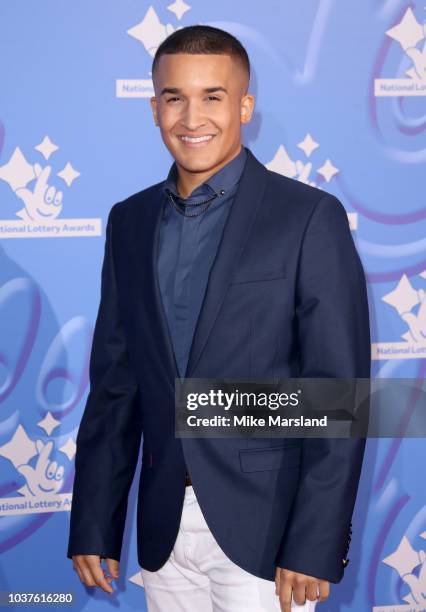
x=222 y=192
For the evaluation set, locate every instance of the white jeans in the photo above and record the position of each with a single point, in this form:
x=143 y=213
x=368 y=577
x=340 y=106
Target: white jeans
x=199 y=577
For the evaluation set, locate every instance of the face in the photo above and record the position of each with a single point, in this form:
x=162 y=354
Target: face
x=199 y=105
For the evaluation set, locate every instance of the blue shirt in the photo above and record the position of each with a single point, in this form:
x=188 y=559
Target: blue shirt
x=188 y=246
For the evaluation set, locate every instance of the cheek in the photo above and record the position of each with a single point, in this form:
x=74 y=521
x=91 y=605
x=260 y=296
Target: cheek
x=166 y=130
x=229 y=118
x=168 y=116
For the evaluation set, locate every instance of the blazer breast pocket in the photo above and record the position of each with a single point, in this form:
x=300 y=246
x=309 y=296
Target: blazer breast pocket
x=273 y=458
x=251 y=275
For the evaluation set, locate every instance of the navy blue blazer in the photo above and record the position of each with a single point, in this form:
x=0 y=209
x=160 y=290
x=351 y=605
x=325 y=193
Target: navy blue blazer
x=286 y=297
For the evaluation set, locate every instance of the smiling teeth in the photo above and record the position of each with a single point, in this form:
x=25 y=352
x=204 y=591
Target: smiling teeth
x=198 y=139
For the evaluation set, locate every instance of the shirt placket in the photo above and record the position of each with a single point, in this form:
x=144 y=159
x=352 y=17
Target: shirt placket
x=182 y=287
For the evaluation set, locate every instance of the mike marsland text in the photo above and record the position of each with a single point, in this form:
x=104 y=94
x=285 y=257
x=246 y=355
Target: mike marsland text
x=251 y=421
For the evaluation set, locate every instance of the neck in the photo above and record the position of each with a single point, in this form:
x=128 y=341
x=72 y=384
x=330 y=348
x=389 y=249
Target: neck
x=187 y=181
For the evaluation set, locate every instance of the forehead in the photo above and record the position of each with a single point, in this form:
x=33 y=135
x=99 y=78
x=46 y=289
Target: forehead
x=180 y=69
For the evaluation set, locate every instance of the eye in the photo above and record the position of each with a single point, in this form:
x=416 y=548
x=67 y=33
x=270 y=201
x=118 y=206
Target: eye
x=50 y=195
x=172 y=99
x=51 y=470
x=214 y=98
x=58 y=198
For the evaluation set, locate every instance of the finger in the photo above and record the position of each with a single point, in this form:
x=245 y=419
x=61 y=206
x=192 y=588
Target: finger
x=93 y=565
x=277 y=580
x=113 y=567
x=99 y=577
x=24 y=194
x=78 y=571
x=285 y=595
x=312 y=591
x=324 y=590
x=109 y=579
x=44 y=455
x=85 y=574
x=304 y=174
x=41 y=184
x=299 y=593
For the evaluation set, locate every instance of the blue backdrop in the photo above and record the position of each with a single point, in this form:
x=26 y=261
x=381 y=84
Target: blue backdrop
x=340 y=90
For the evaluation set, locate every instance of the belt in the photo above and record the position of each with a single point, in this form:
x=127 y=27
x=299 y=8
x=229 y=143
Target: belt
x=188 y=482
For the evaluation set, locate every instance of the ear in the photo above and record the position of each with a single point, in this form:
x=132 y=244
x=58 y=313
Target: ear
x=154 y=109
x=246 y=108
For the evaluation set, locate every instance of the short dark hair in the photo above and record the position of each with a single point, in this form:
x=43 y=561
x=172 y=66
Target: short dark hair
x=204 y=40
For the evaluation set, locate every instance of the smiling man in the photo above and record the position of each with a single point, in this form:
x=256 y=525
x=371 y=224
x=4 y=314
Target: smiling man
x=213 y=86
x=223 y=270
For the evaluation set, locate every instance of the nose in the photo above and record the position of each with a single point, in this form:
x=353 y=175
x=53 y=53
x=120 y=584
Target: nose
x=192 y=118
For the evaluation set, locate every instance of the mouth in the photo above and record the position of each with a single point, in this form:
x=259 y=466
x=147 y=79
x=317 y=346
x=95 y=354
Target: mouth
x=196 y=141
x=43 y=214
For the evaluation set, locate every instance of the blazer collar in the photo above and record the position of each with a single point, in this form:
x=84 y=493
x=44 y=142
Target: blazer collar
x=220 y=182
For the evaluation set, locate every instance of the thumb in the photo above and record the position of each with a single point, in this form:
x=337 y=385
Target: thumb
x=24 y=194
x=113 y=567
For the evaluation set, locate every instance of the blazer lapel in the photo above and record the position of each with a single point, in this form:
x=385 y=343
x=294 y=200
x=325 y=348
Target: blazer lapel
x=144 y=240
x=164 y=340
x=240 y=219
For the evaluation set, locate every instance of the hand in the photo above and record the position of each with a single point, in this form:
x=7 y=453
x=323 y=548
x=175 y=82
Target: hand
x=91 y=573
x=301 y=586
x=45 y=202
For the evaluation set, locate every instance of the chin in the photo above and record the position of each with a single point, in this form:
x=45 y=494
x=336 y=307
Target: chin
x=196 y=162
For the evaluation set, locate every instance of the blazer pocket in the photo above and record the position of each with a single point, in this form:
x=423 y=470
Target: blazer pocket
x=250 y=276
x=274 y=458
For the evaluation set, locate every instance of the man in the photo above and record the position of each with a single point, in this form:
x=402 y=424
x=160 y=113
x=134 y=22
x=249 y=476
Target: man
x=223 y=270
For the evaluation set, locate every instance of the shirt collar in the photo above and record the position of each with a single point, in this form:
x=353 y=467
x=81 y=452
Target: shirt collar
x=221 y=182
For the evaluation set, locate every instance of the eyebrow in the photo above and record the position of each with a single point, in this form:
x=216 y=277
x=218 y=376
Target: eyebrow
x=176 y=90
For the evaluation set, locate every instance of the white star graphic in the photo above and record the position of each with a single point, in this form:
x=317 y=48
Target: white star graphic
x=404 y=559
x=282 y=163
x=46 y=147
x=17 y=172
x=308 y=145
x=137 y=579
x=69 y=448
x=179 y=8
x=408 y=32
x=49 y=423
x=404 y=297
x=150 y=31
x=418 y=57
x=353 y=220
x=20 y=448
x=328 y=170
x=68 y=174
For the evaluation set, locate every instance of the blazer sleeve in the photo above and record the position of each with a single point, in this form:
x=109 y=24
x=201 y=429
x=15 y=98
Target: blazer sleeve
x=110 y=431
x=334 y=341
